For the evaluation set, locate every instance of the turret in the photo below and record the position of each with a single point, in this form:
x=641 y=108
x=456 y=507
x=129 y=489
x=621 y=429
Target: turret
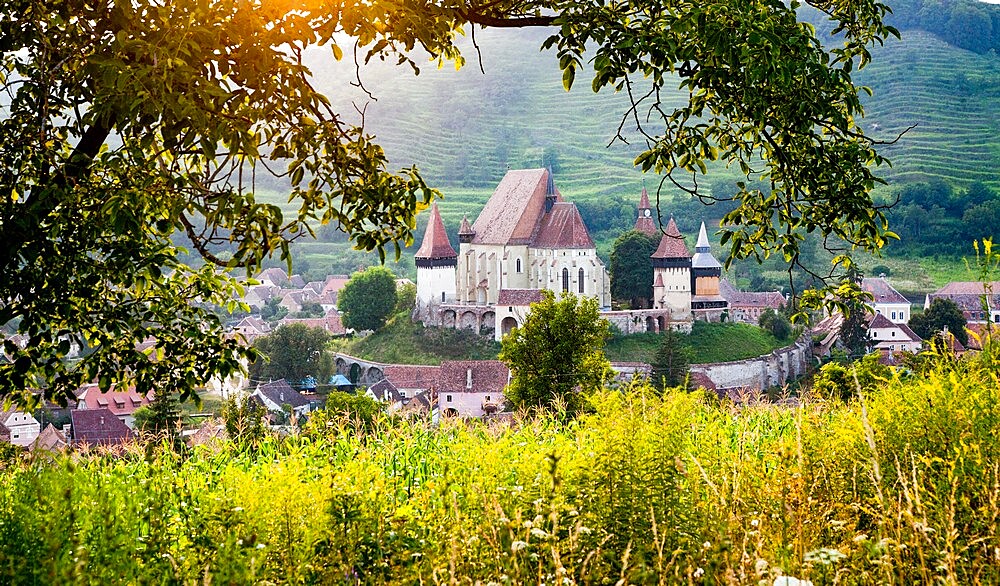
x=436 y=262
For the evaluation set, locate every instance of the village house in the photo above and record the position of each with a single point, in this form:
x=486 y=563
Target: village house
x=18 y=428
x=276 y=394
x=968 y=295
x=121 y=404
x=50 y=440
x=890 y=337
x=748 y=306
x=886 y=300
x=471 y=388
x=98 y=427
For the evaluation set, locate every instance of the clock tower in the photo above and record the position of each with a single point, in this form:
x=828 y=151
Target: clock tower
x=646 y=222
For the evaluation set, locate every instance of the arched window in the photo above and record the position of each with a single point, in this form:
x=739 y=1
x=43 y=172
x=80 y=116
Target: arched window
x=565 y=280
x=518 y=264
x=580 y=285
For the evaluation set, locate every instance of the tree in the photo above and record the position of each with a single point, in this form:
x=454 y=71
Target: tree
x=776 y=323
x=558 y=354
x=631 y=268
x=293 y=352
x=857 y=315
x=134 y=128
x=670 y=364
x=245 y=422
x=943 y=313
x=161 y=416
x=368 y=299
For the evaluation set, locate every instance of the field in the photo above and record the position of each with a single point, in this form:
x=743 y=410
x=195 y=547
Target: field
x=708 y=342
x=900 y=488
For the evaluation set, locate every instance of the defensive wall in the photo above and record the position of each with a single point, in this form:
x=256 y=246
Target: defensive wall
x=762 y=372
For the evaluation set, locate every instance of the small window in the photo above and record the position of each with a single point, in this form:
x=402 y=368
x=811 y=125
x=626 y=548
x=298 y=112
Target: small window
x=518 y=265
x=580 y=285
x=447 y=398
x=565 y=280
x=442 y=297
x=893 y=333
x=894 y=315
x=487 y=397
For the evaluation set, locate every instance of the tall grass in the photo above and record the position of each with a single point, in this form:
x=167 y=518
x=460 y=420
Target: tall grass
x=900 y=486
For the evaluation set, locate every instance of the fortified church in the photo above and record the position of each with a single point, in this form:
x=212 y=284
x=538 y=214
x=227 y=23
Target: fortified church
x=527 y=238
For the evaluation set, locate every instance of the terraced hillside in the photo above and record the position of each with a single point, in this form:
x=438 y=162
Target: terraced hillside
x=464 y=128
x=953 y=98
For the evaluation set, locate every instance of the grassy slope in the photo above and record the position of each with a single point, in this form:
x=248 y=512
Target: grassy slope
x=708 y=342
x=403 y=342
x=463 y=128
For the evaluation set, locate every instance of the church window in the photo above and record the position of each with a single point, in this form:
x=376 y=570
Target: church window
x=447 y=398
x=442 y=297
x=565 y=280
x=518 y=265
x=580 y=286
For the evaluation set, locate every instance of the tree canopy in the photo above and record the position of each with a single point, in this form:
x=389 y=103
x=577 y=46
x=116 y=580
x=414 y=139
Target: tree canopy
x=671 y=363
x=631 y=267
x=943 y=313
x=293 y=352
x=134 y=131
x=368 y=299
x=558 y=354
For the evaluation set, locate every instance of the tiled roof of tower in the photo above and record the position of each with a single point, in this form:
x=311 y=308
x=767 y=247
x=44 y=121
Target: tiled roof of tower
x=643 y=223
x=563 y=227
x=671 y=243
x=882 y=291
x=514 y=210
x=435 y=243
x=465 y=227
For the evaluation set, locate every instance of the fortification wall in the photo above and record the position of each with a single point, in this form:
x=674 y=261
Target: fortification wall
x=771 y=370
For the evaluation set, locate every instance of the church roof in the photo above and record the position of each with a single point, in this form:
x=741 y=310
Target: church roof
x=703 y=258
x=563 y=227
x=643 y=223
x=519 y=296
x=515 y=209
x=671 y=243
x=435 y=244
x=465 y=227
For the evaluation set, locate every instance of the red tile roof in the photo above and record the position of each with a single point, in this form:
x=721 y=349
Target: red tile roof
x=882 y=291
x=737 y=298
x=98 y=427
x=487 y=376
x=672 y=243
x=120 y=403
x=329 y=322
x=562 y=227
x=435 y=243
x=514 y=210
x=403 y=376
x=519 y=296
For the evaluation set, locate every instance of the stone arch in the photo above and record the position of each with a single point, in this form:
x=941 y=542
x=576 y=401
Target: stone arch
x=342 y=367
x=661 y=322
x=469 y=321
x=650 y=324
x=448 y=318
x=373 y=375
x=507 y=325
x=488 y=323
x=354 y=374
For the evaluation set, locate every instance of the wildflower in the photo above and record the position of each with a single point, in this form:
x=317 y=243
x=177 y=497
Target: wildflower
x=791 y=581
x=539 y=533
x=699 y=573
x=706 y=545
x=518 y=546
x=761 y=566
x=754 y=523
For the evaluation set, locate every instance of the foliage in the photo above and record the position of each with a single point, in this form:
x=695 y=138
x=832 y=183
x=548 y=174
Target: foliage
x=943 y=313
x=837 y=380
x=936 y=218
x=246 y=422
x=162 y=416
x=310 y=309
x=273 y=310
x=293 y=352
x=402 y=341
x=974 y=26
x=896 y=489
x=359 y=411
x=406 y=299
x=368 y=299
x=708 y=342
x=132 y=128
x=631 y=269
x=670 y=366
x=776 y=323
x=857 y=315
x=557 y=355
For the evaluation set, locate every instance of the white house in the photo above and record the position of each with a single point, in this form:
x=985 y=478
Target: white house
x=21 y=426
x=890 y=337
x=274 y=395
x=886 y=300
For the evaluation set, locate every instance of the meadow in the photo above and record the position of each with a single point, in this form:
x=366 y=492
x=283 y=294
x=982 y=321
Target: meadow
x=900 y=486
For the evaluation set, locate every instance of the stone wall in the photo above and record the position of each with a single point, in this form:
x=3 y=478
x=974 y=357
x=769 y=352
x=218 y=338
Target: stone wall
x=770 y=370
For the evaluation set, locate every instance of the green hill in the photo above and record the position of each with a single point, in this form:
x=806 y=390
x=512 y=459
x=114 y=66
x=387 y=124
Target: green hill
x=465 y=128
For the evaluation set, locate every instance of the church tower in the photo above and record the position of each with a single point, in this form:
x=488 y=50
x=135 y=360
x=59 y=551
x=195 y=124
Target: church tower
x=436 y=261
x=645 y=222
x=672 y=274
x=706 y=302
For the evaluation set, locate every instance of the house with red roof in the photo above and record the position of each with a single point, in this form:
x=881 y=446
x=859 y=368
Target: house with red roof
x=886 y=300
x=120 y=403
x=969 y=296
x=471 y=388
x=98 y=427
x=747 y=306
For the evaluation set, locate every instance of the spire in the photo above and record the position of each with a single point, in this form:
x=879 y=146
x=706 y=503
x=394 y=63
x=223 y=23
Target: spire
x=702 y=245
x=644 y=222
x=671 y=243
x=550 y=191
x=435 y=245
x=465 y=231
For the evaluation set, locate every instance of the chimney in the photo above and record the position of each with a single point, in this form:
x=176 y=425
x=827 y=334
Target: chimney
x=468 y=378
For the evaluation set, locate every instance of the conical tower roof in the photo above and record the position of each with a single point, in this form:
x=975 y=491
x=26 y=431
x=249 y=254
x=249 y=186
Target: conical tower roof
x=703 y=258
x=672 y=243
x=465 y=227
x=435 y=244
x=644 y=199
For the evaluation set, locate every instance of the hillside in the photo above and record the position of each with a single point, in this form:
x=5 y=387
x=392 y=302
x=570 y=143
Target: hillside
x=464 y=128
